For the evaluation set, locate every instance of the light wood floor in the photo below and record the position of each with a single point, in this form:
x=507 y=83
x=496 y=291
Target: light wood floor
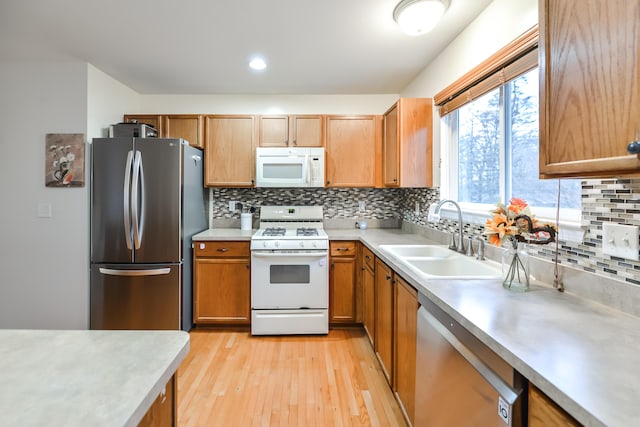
x=234 y=379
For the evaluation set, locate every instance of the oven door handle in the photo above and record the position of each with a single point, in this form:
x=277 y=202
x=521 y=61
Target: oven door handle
x=289 y=254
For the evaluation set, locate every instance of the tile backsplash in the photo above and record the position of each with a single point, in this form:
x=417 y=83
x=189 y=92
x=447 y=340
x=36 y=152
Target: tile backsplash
x=610 y=200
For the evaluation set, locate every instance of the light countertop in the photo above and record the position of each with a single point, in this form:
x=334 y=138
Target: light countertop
x=84 y=378
x=582 y=354
x=214 y=234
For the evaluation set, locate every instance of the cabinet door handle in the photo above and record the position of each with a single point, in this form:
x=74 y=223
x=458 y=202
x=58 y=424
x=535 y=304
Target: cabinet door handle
x=367 y=257
x=633 y=147
x=388 y=278
x=328 y=182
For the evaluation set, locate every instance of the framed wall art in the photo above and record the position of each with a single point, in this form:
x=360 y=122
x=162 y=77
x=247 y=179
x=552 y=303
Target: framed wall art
x=64 y=164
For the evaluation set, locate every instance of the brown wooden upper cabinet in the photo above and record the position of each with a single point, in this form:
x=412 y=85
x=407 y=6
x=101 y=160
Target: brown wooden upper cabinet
x=186 y=126
x=353 y=147
x=291 y=131
x=590 y=88
x=229 y=151
x=154 y=120
x=407 y=144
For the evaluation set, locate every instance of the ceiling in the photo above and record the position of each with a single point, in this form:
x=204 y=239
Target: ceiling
x=204 y=46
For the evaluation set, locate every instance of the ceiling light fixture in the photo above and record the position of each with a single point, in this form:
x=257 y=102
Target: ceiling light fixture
x=416 y=17
x=258 y=64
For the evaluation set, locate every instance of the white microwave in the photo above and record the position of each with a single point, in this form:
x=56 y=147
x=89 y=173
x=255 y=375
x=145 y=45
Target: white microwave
x=289 y=167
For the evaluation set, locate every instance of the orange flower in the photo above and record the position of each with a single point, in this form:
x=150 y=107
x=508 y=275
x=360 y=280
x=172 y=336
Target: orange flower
x=494 y=239
x=517 y=205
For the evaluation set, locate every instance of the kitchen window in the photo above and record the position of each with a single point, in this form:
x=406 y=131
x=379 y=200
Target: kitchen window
x=490 y=146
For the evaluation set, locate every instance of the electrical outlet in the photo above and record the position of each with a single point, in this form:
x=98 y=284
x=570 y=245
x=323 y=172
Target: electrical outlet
x=232 y=205
x=361 y=206
x=621 y=241
x=417 y=208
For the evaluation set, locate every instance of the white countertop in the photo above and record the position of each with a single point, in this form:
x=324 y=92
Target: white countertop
x=84 y=378
x=583 y=355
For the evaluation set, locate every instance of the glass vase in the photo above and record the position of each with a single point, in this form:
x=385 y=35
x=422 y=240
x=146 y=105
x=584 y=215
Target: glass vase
x=515 y=268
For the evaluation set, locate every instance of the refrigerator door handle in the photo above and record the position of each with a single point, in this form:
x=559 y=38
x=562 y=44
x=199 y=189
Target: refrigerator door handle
x=150 y=272
x=137 y=213
x=127 y=200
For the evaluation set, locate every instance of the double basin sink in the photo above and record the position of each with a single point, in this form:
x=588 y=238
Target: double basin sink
x=439 y=262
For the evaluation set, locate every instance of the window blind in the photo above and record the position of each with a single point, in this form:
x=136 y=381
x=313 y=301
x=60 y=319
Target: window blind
x=515 y=59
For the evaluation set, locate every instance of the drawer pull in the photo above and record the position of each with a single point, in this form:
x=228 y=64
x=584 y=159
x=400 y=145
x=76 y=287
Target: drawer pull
x=342 y=249
x=223 y=250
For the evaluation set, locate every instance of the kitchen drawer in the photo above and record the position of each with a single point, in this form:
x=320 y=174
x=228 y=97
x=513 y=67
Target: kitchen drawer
x=368 y=258
x=342 y=248
x=221 y=249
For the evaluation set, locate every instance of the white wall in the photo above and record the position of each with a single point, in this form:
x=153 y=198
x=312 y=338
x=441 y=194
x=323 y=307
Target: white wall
x=266 y=104
x=43 y=267
x=500 y=23
x=107 y=100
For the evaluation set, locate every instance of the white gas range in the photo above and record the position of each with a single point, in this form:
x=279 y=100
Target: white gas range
x=290 y=272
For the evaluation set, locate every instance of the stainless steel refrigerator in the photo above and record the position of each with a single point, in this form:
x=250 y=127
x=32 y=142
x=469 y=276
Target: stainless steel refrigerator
x=147 y=201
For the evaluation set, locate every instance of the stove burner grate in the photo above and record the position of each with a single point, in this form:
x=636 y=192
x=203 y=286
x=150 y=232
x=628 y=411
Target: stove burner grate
x=306 y=231
x=274 y=231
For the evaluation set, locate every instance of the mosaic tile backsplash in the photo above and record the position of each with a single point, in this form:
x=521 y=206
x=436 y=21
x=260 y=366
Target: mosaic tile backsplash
x=611 y=200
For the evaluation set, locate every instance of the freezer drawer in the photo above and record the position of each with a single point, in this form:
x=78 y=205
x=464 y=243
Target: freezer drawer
x=135 y=296
x=459 y=380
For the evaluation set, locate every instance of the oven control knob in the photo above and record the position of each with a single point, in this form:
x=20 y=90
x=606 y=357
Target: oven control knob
x=277 y=244
x=314 y=244
x=264 y=244
x=302 y=244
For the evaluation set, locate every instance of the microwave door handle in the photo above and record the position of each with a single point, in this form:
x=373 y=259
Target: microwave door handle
x=309 y=170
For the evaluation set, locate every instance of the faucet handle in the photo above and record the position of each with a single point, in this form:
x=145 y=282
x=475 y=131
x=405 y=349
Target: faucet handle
x=469 y=251
x=452 y=242
x=480 y=254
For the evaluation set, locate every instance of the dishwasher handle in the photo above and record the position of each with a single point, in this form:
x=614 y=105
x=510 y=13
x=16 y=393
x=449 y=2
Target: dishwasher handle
x=509 y=394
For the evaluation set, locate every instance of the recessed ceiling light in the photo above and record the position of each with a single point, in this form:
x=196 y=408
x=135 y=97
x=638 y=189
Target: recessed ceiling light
x=258 y=64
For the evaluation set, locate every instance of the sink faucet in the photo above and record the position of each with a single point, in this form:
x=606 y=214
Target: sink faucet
x=460 y=247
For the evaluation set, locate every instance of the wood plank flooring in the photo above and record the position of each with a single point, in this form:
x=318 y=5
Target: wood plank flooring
x=234 y=379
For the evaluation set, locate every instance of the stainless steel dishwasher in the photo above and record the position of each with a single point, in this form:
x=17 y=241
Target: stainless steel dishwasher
x=459 y=380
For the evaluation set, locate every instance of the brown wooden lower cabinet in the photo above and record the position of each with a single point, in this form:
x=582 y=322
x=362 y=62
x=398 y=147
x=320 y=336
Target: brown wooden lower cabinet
x=384 y=318
x=164 y=411
x=221 y=283
x=342 y=282
x=544 y=412
x=405 y=329
x=368 y=293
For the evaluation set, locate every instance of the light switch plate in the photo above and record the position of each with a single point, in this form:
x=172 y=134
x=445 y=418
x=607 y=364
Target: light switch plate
x=44 y=210
x=361 y=206
x=621 y=241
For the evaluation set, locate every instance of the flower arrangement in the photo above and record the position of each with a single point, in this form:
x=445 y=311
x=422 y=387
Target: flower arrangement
x=516 y=223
